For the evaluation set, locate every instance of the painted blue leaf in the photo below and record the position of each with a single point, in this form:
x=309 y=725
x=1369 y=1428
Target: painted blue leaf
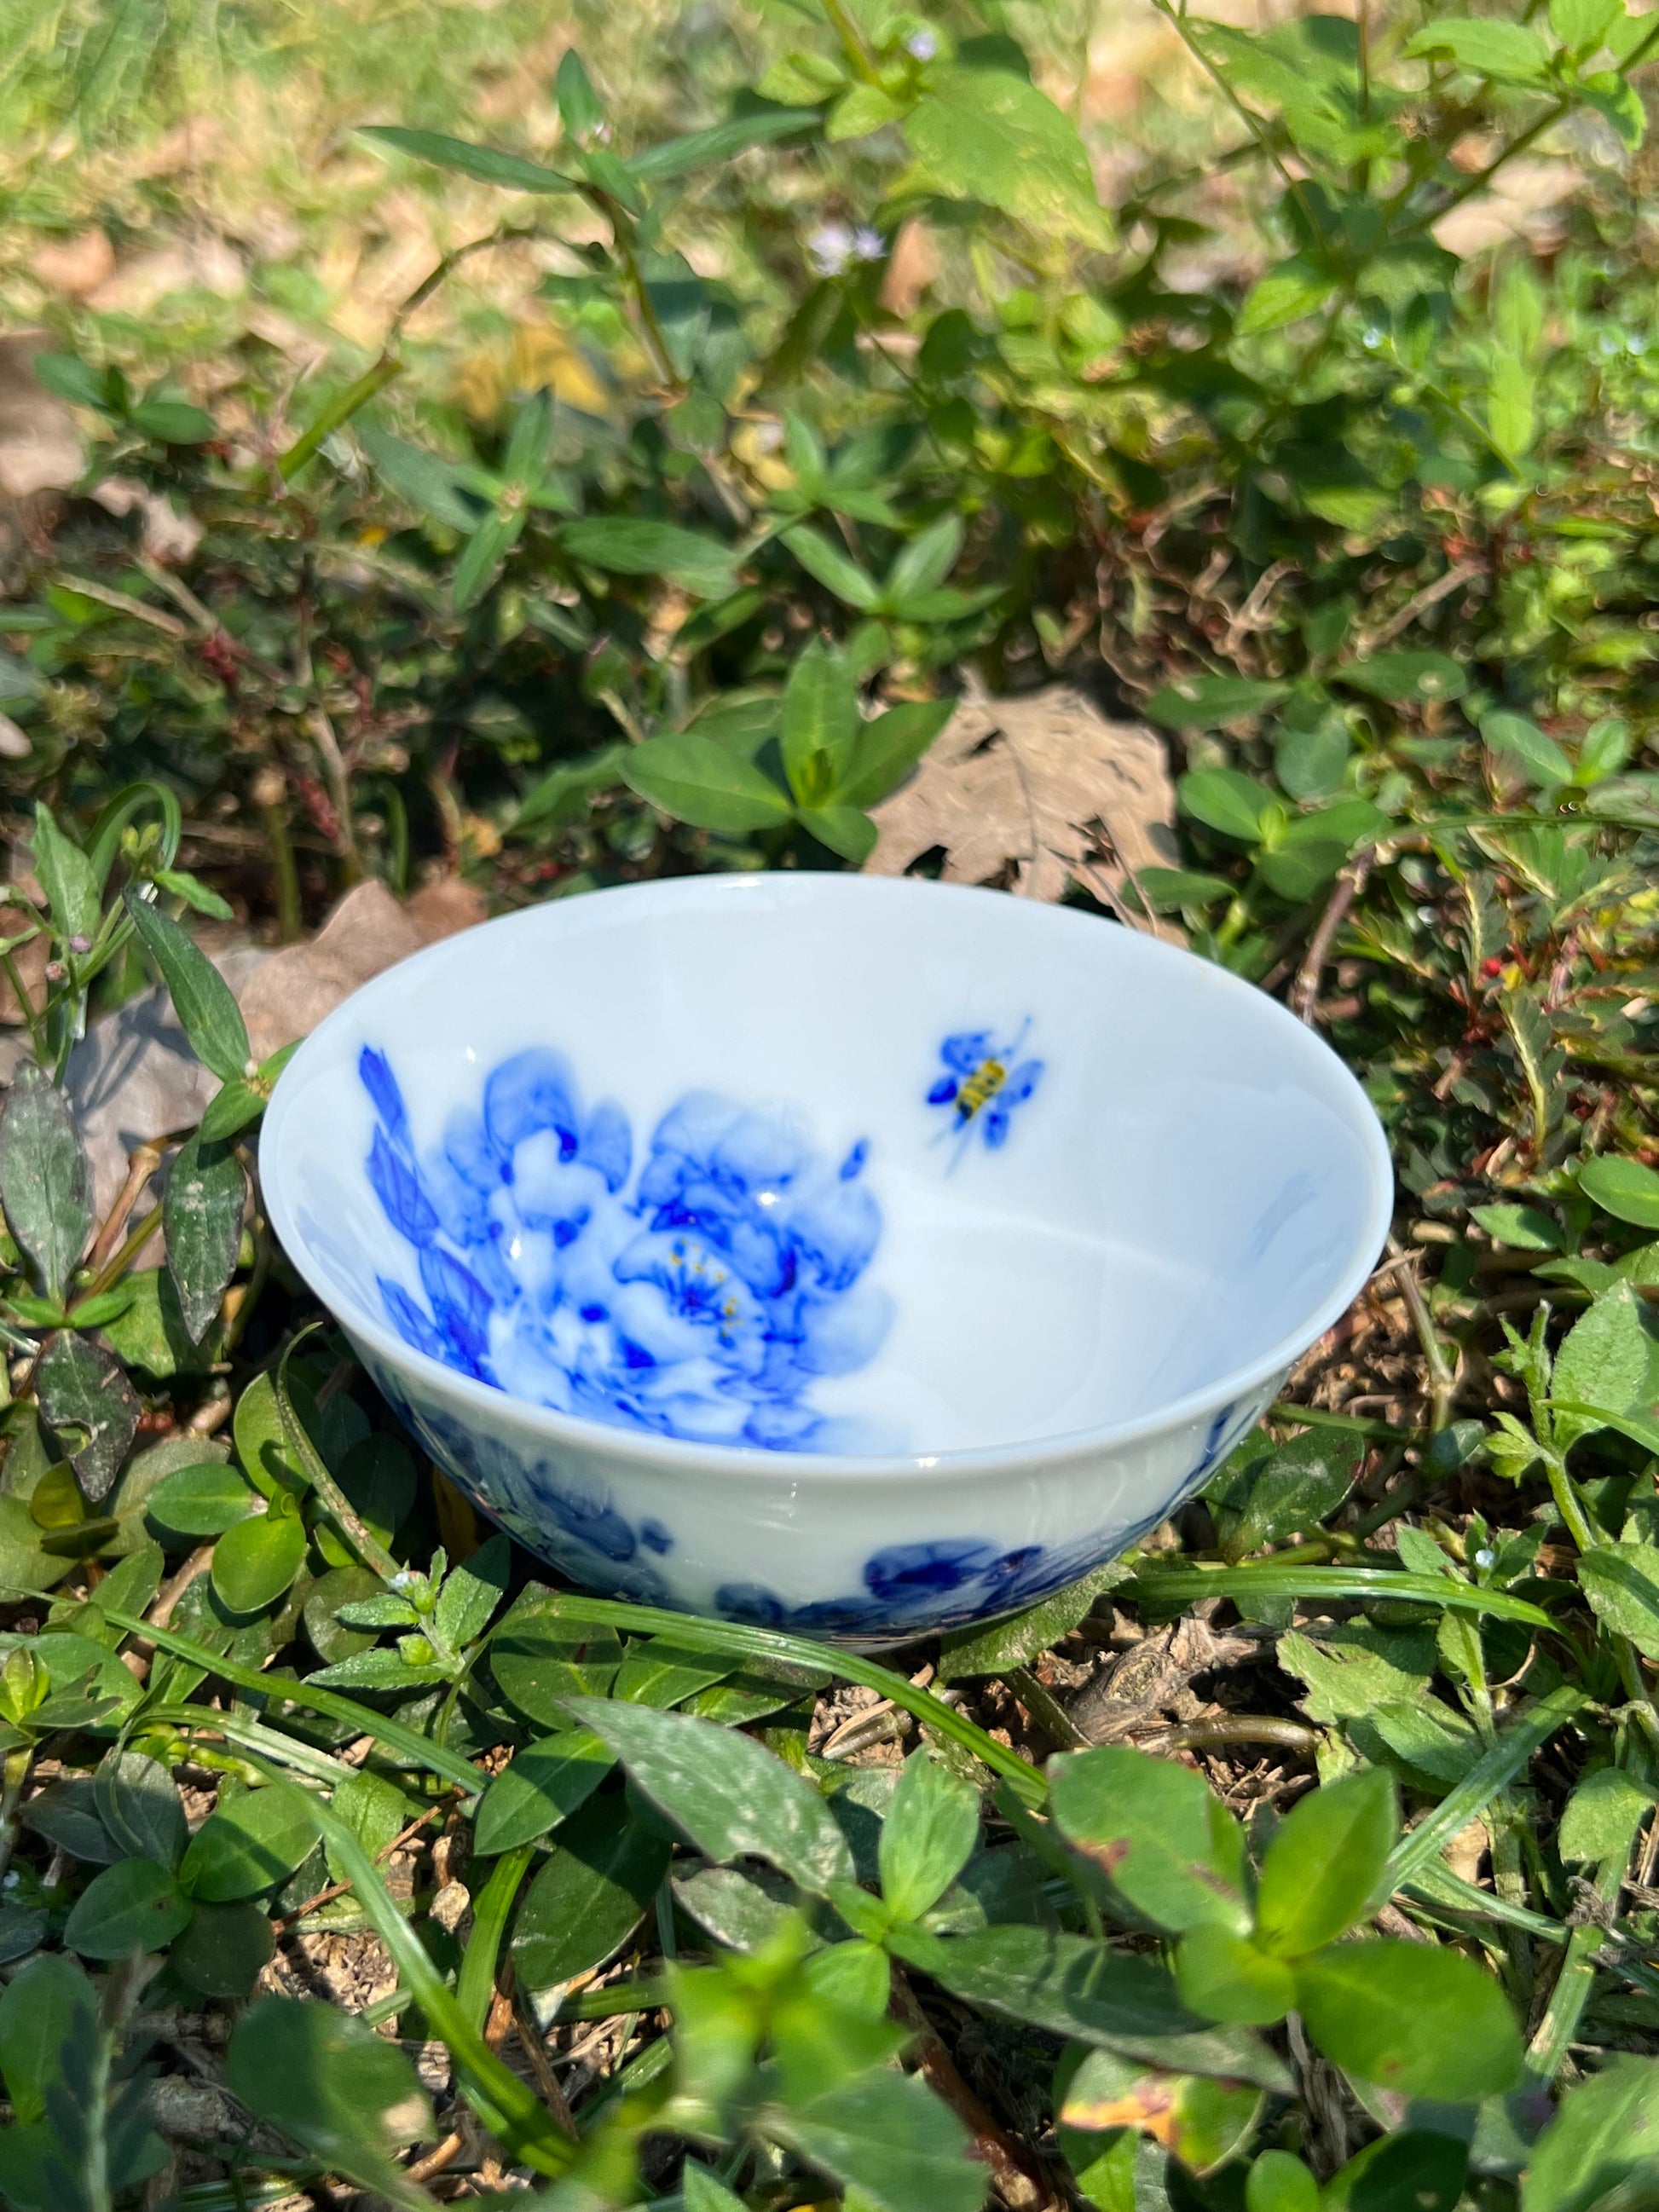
x=397 y=1187
x=375 y=1070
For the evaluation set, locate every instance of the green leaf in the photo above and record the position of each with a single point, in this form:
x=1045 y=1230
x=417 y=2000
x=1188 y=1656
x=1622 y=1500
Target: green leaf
x=545 y=1784
x=329 y=2083
x=886 y=749
x=540 y=1661
x=1617 y=101
x=1225 y=799
x=45 y=1191
x=224 y=1950
x=432 y=486
x=1013 y=1642
x=581 y=109
x=472 y=1590
x=563 y=794
x=47 y=2005
x=481 y=162
x=927 y=1837
x=888 y=2139
x=1296 y=288
x=202 y=1218
x=261 y=1444
x=67 y=876
x=140 y=1807
x=1404 y=678
x=1600 y=1820
x=1416 y=2167
x=1077 y=1988
x=924 y=563
x=1172 y=890
x=632 y=546
x=256 y=1558
x=844 y=829
x=1280 y=2182
x=1266 y=1492
x=1580 y=25
x=1326 y=1865
x=698 y=780
x=1604 y=2137
x=1621 y=1581
x=1522 y=1228
x=660 y=1672
x=86 y=1397
x=1511 y=414
x=1604 y=1361
x=254 y=1840
x=1624 y=1188
x=1545 y=764
x=1203 y=702
x=719 y=143
x=1168 y=1843
x=1510 y=53
x=832 y=567
x=990 y=135
x=1223 y=1976
x=1424 y=2021
x=204 y=1001
x=230 y=1110
x=820 y=723
x=604 y=1868
x=133 y=1906
x=727 y=1795
x=1202 y=2121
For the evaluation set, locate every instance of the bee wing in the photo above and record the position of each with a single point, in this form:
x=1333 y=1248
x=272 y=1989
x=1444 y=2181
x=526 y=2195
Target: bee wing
x=996 y=1125
x=943 y=1091
x=964 y=1051
x=1023 y=1082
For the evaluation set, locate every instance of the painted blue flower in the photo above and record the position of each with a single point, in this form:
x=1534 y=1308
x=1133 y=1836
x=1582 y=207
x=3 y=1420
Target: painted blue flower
x=704 y=1305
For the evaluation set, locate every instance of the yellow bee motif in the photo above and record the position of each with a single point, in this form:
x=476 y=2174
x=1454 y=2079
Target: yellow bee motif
x=981 y=1079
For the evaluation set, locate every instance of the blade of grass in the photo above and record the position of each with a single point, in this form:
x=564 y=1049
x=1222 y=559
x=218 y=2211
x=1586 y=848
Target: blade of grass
x=851 y=1666
x=1185 y=1585
x=1508 y=1757
x=474 y=1985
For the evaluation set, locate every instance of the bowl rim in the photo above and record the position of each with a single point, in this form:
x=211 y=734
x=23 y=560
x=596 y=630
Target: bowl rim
x=633 y=1446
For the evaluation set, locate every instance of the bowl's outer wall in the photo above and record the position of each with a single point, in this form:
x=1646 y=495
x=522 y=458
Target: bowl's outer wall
x=1180 y=1107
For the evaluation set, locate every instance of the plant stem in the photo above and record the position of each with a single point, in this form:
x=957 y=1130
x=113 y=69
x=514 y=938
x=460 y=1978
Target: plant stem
x=18 y=1763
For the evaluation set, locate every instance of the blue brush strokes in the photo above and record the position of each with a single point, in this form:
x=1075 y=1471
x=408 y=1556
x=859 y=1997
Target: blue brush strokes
x=982 y=1085
x=705 y=1305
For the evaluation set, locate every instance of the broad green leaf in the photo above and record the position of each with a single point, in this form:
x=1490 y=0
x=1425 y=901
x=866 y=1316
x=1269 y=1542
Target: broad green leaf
x=545 y=1784
x=728 y=1794
x=591 y=1892
x=261 y=1442
x=1424 y=2169
x=328 y=2081
x=224 y=1950
x=1509 y=52
x=1624 y=1188
x=1014 y=1641
x=1604 y=1359
x=140 y=1807
x=1167 y=1843
x=1545 y=764
x=886 y=749
x=819 y=723
x=67 y=876
x=1580 y=25
x=1172 y=890
x=1202 y=703
x=1077 y=1988
x=886 y=2136
x=206 y=1007
x=1522 y=1228
x=86 y=1397
x=1404 y=678
x=472 y=1590
x=201 y=1219
x=1294 y=288
x=254 y=1841
x=44 y=2005
x=1280 y=2182
x=541 y=1660
x=844 y=829
x=1266 y=1491
x=1617 y=101
x=660 y=1672
x=481 y=162
x=1326 y=1866
x=927 y=1837
x=1355 y=1666
x=1621 y=1581
x=1223 y=1976
x=719 y=143
x=699 y=781
x=45 y=1192
x=990 y=135
x=1202 y=2121
x=133 y=1906
x=375 y=1810
x=1604 y=2136
x=1418 y=2019
x=256 y=1558
x=1222 y=798
x=230 y=1110
x=1512 y=413
x=562 y=795
x=432 y=486
x=832 y=567
x=924 y=563
x=1601 y=1817
x=634 y=546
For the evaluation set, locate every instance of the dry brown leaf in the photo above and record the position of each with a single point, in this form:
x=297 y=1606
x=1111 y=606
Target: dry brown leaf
x=1033 y=791
x=77 y=265
x=40 y=445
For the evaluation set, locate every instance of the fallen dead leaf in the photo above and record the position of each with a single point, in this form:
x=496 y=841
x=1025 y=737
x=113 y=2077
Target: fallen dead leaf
x=76 y=265
x=911 y=266
x=1032 y=792
x=167 y=536
x=40 y=445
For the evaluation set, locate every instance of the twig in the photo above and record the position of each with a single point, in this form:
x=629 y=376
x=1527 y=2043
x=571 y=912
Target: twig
x=435 y=2161
x=547 y=2081
x=1304 y=992
x=1019 y=2182
x=1463 y=572
x=339 y=1888
x=1238 y=1728
x=1443 y=1382
x=142 y=1164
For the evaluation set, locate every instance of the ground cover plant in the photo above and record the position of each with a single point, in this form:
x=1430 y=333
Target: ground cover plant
x=1305 y=1858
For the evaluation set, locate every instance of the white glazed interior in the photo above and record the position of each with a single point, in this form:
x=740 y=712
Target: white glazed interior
x=1193 y=1191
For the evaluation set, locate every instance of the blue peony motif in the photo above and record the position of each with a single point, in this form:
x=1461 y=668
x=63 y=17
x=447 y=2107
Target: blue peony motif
x=704 y=1305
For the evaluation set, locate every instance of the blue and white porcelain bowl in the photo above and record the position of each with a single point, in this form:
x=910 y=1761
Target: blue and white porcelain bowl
x=855 y=1255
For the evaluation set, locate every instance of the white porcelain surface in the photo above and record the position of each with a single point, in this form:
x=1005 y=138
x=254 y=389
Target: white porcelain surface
x=853 y=1253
